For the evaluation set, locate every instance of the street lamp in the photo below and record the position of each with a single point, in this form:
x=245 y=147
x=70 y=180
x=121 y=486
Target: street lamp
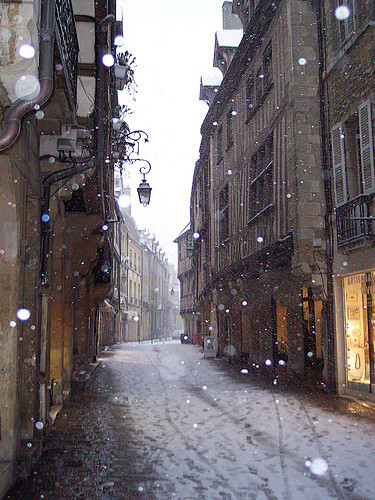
x=144 y=189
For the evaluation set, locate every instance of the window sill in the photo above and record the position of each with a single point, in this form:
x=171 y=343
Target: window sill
x=260 y=214
x=223 y=243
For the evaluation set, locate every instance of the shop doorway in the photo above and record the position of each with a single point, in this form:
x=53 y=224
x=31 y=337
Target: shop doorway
x=279 y=333
x=312 y=336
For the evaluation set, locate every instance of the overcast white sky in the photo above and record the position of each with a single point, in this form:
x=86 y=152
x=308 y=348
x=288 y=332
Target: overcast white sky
x=173 y=42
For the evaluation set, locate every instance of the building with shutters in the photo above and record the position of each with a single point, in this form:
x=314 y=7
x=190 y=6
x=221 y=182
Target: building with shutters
x=348 y=41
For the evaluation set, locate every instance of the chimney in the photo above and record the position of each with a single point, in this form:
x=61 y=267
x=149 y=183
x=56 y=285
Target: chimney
x=124 y=201
x=230 y=21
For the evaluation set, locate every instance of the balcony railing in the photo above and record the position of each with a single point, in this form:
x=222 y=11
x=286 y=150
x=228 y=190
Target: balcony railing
x=67 y=42
x=352 y=220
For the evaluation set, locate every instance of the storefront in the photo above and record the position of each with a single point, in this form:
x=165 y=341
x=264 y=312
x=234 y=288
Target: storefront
x=359 y=320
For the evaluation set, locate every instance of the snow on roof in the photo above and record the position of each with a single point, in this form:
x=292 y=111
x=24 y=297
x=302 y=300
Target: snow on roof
x=229 y=38
x=212 y=80
x=185 y=230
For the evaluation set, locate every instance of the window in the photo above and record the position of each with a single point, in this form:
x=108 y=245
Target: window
x=250 y=102
x=353 y=156
x=219 y=144
x=347 y=26
x=258 y=86
x=189 y=245
x=261 y=179
x=230 y=128
x=249 y=6
x=267 y=68
x=359 y=319
x=224 y=214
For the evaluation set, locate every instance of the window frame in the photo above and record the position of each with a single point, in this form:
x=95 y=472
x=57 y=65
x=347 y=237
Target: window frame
x=223 y=211
x=365 y=163
x=267 y=68
x=261 y=186
x=229 y=125
x=219 y=144
x=250 y=96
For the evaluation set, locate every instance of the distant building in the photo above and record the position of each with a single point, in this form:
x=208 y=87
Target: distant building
x=134 y=274
x=147 y=305
x=186 y=277
x=155 y=286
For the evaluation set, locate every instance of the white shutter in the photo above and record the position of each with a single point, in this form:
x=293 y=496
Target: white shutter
x=339 y=172
x=367 y=149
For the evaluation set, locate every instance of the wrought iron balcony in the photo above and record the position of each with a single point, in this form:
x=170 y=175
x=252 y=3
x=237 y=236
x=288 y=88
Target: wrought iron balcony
x=354 y=220
x=67 y=42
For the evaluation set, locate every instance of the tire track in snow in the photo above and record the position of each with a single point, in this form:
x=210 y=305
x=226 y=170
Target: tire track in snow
x=339 y=491
x=282 y=450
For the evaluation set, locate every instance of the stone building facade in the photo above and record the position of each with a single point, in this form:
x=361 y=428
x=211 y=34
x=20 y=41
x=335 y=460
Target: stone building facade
x=134 y=280
x=348 y=42
x=258 y=198
x=186 y=277
x=156 y=299
x=58 y=260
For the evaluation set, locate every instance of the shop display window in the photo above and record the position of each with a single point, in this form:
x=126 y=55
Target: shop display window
x=359 y=321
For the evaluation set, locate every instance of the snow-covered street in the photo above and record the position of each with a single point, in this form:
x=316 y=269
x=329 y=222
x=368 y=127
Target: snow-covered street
x=181 y=426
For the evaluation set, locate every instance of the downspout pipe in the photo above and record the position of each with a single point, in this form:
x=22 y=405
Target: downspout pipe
x=331 y=361
x=15 y=113
x=100 y=45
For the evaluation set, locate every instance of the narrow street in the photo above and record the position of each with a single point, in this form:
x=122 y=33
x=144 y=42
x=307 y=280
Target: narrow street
x=158 y=421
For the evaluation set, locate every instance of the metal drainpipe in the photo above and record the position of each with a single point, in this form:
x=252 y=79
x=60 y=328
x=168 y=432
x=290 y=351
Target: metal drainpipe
x=45 y=239
x=15 y=113
x=100 y=44
x=329 y=208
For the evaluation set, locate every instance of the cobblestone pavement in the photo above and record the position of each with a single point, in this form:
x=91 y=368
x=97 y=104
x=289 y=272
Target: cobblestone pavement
x=83 y=456
x=158 y=421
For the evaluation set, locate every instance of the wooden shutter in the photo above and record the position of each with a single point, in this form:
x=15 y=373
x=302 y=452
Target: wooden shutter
x=339 y=172
x=350 y=22
x=367 y=149
x=347 y=26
